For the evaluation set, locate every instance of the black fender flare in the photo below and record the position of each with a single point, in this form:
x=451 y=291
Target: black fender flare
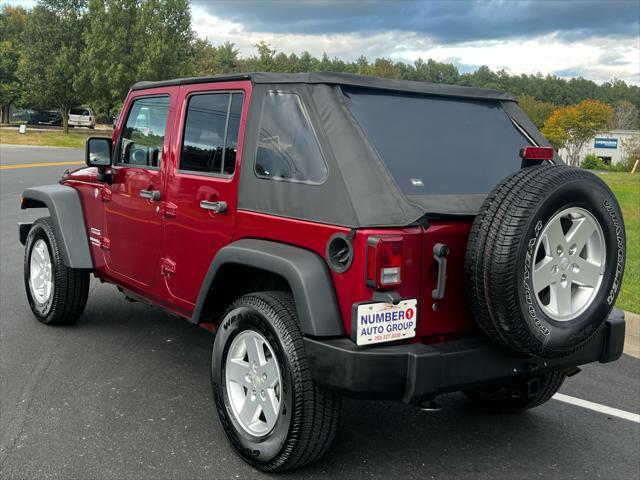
x=65 y=208
x=305 y=271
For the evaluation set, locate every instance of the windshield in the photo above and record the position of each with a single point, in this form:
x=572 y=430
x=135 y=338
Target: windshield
x=438 y=145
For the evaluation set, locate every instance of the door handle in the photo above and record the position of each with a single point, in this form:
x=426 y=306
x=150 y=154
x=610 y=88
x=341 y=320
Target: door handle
x=214 y=207
x=153 y=195
x=440 y=253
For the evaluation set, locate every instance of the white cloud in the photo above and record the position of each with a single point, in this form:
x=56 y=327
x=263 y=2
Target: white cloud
x=546 y=54
x=598 y=59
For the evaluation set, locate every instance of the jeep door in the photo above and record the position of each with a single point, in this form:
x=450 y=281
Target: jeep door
x=202 y=187
x=133 y=217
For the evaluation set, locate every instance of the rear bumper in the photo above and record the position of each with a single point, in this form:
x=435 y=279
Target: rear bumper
x=414 y=371
x=81 y=123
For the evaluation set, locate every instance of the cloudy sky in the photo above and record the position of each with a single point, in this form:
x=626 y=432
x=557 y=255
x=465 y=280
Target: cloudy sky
x=596 y=39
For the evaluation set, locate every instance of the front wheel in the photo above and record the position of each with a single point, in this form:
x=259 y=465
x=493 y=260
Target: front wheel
x=56 y=293
x=270 y=409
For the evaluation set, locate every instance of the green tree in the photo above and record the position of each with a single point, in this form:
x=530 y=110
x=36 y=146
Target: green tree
x=164 y=40
x=50 y=60
x=537 y=110
x=434 y=72
x=306 y=63
x=131 y=40
x=108 y=62
x=205 y=57
x=383 y=67
x=12 y=24
x=227 y=58
x=573 y=126
x=266 y=54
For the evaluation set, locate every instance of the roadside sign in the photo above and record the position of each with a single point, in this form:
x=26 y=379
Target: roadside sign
x=605 y=143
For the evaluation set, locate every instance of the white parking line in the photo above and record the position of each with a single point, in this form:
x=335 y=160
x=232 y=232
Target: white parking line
x=596 y=407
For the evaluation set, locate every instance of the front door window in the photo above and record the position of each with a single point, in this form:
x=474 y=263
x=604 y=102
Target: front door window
x=143 y=134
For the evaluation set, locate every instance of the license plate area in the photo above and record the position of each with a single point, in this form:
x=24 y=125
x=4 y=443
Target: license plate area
x=379 y=322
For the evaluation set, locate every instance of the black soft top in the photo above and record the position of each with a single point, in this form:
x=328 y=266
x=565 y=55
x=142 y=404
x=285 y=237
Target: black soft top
x=340 y=79
x=360 y=190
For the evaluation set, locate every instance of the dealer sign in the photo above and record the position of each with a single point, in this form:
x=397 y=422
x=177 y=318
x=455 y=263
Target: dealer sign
x=385 y=322
x=605 y=143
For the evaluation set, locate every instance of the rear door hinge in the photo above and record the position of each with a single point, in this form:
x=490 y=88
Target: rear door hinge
x=105 y=194
x=167 y=266
x=170 y=209
x=105 y=243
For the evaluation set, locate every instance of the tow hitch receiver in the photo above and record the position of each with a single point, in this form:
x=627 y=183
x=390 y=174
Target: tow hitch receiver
x=533 y=386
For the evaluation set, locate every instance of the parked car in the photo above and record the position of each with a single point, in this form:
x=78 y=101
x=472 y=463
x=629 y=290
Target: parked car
x=23 y=115
x=50 y=117
x=82 y=117
x=342 y=236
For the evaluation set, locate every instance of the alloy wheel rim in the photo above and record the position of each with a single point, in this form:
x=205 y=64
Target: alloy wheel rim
x=40 y=275
x=569 y=264
x=253 y=381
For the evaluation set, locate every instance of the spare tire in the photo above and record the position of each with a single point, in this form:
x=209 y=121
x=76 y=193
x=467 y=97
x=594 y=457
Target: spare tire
x=545 y=260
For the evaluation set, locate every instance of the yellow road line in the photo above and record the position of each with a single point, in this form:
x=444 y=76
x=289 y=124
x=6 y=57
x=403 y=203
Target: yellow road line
x=31 y=165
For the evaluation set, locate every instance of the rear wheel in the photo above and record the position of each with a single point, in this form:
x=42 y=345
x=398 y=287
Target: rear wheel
x=57 y=294
x=271 y=411
x=519 y=395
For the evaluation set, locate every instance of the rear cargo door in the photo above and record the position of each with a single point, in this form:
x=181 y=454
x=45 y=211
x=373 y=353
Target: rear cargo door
x=450 y=314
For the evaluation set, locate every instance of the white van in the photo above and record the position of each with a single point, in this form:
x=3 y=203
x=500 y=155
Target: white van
x=82 y=117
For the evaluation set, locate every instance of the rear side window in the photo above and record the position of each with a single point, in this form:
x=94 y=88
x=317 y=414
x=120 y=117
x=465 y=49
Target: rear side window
x=288 y=148
x=210 y=142
x=438 y=145
x=143 y=134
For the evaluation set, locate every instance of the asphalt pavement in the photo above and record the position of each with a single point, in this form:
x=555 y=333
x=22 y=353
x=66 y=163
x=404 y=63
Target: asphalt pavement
x=125 y=394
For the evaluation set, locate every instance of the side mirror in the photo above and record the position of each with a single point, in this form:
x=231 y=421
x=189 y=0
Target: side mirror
x=98 y=154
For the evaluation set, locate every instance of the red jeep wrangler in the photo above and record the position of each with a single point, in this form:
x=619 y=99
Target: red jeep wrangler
x=342 y=235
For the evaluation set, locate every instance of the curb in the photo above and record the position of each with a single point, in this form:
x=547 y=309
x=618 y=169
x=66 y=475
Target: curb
x=632 y=335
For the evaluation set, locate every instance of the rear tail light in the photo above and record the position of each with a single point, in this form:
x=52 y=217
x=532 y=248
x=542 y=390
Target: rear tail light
x=385 y=258
x=536 y=153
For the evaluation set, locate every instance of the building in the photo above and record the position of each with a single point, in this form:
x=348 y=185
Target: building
x=608 y=146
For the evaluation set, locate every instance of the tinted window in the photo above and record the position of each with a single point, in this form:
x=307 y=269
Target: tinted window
x=143 y=134
x=211 y=131
x=287 y=146
x=436 y=145
x=79 y=111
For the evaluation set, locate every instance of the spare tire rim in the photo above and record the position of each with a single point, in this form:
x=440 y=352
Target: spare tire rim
x=569 y=264
x=40 y=277
x=253 y=383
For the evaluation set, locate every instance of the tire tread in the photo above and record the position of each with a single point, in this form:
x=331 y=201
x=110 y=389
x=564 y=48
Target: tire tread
x=71 y=285
x=492 y=253
x=316 y=412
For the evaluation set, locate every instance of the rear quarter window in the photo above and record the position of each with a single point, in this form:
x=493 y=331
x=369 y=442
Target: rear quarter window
x=288 y=148
x=438 y=145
